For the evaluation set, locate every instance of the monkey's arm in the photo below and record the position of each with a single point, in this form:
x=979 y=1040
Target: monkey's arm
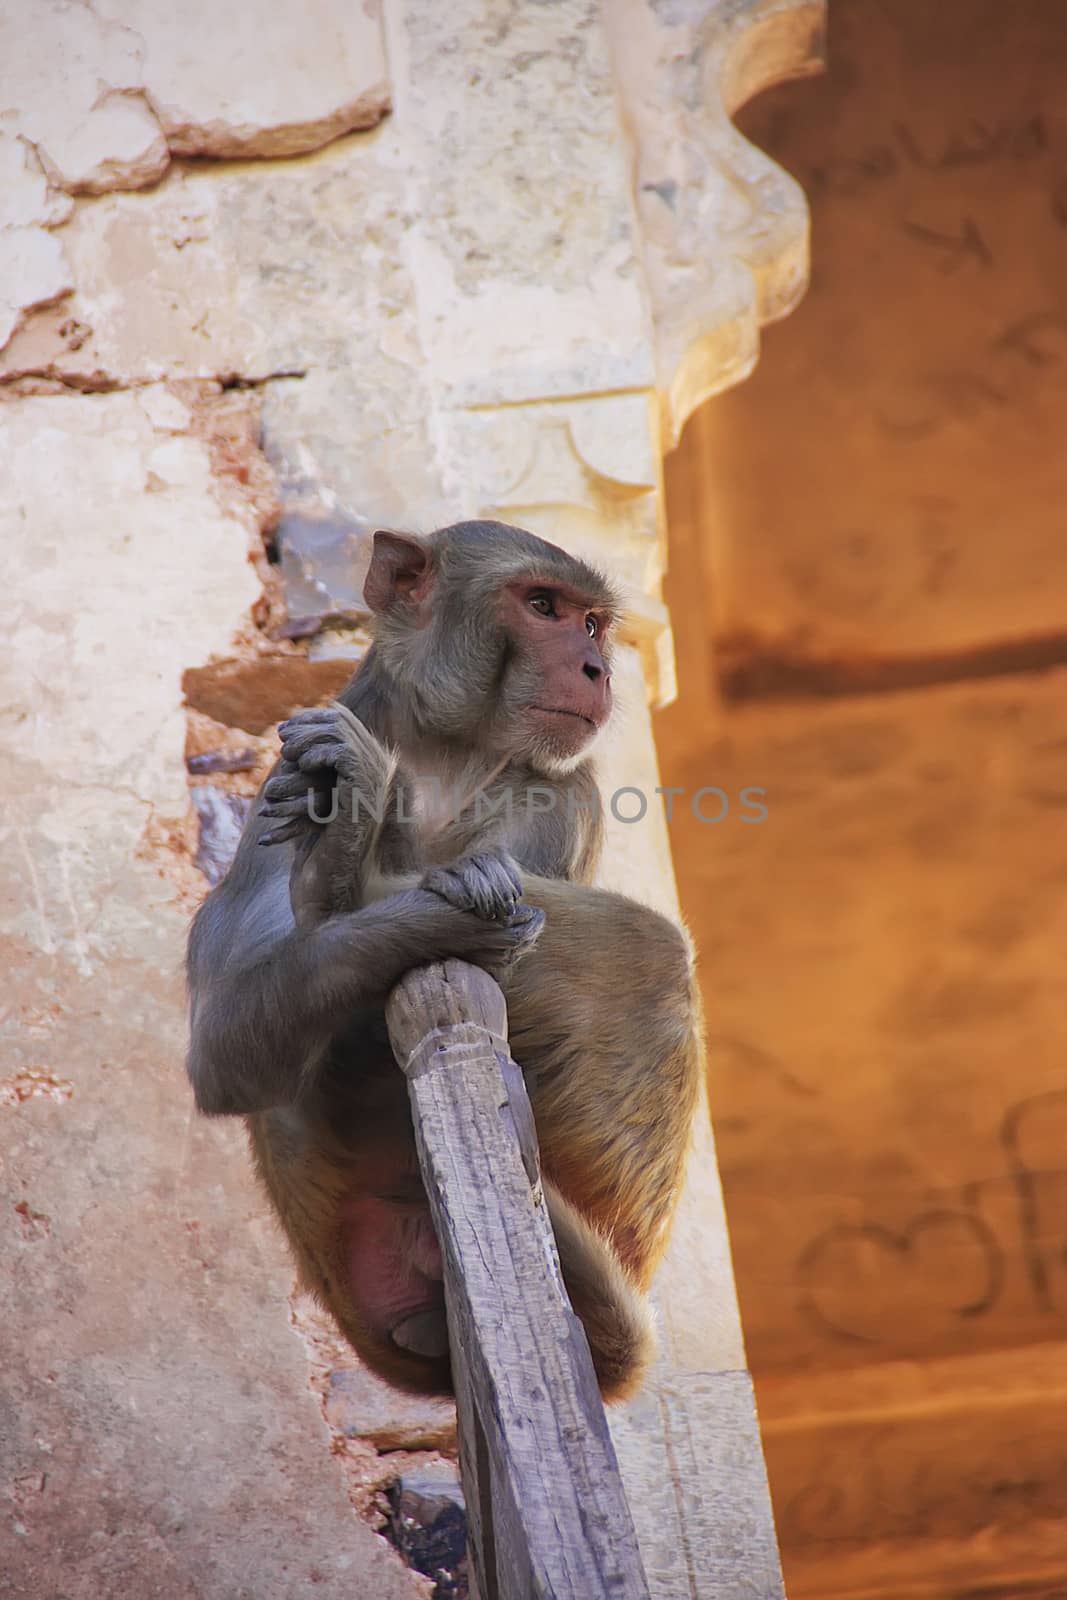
x=266 y=997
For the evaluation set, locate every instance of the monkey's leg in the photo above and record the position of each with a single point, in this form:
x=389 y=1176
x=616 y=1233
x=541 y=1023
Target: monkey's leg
x=344 y=1178
x=605 y=1022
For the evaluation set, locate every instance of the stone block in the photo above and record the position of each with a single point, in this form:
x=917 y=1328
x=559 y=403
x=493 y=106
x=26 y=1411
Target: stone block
x=361 y=1406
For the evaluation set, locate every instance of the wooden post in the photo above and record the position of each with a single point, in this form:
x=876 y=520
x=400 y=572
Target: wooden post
x=547 y=1516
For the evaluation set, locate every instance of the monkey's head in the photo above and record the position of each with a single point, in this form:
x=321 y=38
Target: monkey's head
x=495 y=640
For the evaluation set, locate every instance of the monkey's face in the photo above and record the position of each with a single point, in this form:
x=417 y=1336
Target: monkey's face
x=557 y=689
x=496 y=642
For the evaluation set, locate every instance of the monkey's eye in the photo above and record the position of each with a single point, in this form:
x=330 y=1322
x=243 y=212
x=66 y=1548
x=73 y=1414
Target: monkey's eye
x=542 y=603
x=590 y=625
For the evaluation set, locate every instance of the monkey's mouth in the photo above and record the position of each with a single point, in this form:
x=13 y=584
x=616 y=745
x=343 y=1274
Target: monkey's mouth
x=561 y=711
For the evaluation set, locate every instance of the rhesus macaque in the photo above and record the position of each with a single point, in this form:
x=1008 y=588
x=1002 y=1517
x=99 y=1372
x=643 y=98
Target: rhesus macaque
x=490 y=675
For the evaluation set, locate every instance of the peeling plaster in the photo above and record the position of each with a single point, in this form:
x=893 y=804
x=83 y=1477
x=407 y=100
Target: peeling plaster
x=144 y=83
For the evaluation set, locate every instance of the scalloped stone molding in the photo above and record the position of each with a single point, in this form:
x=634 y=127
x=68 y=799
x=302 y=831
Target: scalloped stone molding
x=725 y=230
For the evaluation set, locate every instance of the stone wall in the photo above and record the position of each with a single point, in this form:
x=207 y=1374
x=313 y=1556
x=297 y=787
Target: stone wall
x=270 y=277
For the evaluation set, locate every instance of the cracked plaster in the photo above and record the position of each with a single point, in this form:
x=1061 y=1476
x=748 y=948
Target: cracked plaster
x=144 y=81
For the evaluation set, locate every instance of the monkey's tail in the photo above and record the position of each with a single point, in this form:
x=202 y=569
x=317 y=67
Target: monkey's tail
x=616 y=1316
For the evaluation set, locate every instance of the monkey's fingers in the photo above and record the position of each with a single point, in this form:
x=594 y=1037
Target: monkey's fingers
x=327 y=755
x=466 y=889
x=315 y=715
x=340 y=740
x=287 y=784
x=487 y=884
x=494 y=884
x=300 y=807
x=336 y=712
x=288 y=830
x=303 y=740
x=502 y=871
x=319 y=747
x=320 y=744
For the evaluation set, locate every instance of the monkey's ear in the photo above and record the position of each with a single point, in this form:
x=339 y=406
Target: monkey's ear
x=400 y=569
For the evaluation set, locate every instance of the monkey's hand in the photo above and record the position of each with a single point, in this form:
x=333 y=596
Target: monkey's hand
x=487 y=883
x=325 y=750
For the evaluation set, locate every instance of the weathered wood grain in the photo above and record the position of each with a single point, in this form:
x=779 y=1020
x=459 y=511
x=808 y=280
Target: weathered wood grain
x=548 y=1518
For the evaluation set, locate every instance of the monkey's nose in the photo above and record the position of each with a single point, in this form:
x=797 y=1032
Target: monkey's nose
x=592 y=671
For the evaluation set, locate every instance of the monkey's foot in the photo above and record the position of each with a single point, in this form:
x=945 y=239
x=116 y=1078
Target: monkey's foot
x=488 y=884
x=506 y=942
